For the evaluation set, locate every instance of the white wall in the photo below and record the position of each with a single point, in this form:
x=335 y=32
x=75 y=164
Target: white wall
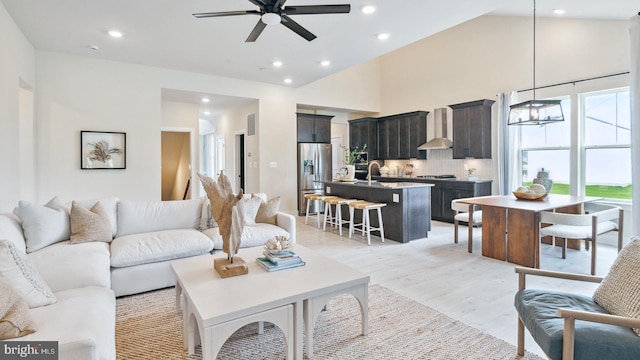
x=81 y=93
x=17 y=65
x=234 y=123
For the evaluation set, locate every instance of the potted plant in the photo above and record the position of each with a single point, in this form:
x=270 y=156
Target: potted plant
x=351 y=157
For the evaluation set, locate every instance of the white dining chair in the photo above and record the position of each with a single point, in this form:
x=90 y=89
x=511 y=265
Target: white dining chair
x=462 y=214
x=597 y=220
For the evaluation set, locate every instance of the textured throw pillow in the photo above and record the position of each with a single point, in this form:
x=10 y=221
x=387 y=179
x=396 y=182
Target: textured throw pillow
x=89 y=224
x=16 y=269
x=206 y=218
x=15 y=318
x=268 y=211
x=44 y=225
x=619 y=291
x=251 y=207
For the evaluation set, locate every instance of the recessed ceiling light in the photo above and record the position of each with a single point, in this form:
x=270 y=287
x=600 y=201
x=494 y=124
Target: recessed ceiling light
x=115 y=33
x=277 y=63
x=205 y=100
x=325 y=62
x=383 y=36
x=368 y=9
x=207 y=113
x=288 y=81
x=558 y=11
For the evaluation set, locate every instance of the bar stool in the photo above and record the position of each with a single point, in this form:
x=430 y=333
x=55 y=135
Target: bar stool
x=365 y=225
x=334 y=219
x=310 y=198
x=318 y=198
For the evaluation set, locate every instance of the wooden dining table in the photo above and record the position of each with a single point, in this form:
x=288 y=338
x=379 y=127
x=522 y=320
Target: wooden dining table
x=511 y=226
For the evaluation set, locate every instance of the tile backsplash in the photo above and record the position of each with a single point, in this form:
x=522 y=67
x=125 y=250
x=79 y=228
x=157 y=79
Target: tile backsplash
x=441 y=162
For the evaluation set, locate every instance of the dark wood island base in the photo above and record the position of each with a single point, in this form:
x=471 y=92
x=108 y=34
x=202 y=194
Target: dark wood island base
x=407 y=215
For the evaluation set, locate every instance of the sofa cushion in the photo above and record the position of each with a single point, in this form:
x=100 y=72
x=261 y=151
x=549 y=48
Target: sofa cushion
x=619 y=291
x=538 y=310
x=44 y=225
x=110 y=205
x=252 y=235
x=268 y=211
x=15 y=318
x=82 y=321
x=16 y=268
x=136 y=249
x=66 y=266
x=142 y=217
x=11 y=230
x=89 y=224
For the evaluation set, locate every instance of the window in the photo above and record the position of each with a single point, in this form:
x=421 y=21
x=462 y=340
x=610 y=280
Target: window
x=602 y=140
x=547 y=147
x=607 y=143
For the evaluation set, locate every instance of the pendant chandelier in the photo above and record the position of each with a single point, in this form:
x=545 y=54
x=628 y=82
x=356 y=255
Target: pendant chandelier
x=535 y=112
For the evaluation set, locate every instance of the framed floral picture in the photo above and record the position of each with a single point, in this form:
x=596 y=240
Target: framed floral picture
x=103 y=150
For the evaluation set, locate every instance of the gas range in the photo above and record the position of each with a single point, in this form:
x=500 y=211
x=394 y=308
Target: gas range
x=436 y=176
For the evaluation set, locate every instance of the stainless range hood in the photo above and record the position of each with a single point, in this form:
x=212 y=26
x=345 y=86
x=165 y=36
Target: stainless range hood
x=441 y=141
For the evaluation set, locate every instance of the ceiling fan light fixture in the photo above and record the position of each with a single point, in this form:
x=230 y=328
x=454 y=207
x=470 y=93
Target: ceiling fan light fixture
x=271 y=18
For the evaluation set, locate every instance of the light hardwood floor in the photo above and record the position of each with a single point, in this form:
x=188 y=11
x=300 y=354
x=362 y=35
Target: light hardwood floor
x=473 y=289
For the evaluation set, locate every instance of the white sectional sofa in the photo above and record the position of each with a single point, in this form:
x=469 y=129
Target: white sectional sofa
x=86 y=277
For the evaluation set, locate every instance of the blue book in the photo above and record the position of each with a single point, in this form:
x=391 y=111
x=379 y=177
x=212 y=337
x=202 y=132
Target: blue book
x=269 y=266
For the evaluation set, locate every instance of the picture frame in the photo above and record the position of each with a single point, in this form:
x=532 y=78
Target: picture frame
x=103 y=150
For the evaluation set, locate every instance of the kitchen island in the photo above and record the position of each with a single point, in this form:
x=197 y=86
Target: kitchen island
x=407 y=215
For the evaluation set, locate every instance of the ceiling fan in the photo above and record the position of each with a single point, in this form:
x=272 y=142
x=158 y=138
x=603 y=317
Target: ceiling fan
x=274 y=12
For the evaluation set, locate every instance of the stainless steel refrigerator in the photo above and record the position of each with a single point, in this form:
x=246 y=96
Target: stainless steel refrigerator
x=314 y=168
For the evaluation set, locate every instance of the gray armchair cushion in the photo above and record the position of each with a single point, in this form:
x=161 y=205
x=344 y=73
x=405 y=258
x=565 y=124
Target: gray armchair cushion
x=538 y=310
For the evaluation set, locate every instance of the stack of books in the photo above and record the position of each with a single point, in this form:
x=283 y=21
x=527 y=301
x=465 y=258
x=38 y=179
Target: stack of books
x=280 y=261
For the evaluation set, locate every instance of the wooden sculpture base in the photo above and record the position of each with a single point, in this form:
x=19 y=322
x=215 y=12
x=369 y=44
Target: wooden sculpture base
x=226 y=269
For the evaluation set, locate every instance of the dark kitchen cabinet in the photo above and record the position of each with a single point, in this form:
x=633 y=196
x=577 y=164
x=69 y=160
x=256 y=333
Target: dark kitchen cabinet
x=362 y=132
x=400 y=135
x=443 y=191
x=314 y=128
x=472 y=129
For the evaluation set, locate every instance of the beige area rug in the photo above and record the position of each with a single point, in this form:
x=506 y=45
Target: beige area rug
x=148 y=327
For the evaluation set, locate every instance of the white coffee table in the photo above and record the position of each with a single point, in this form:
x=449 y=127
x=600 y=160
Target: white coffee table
x=215 y=307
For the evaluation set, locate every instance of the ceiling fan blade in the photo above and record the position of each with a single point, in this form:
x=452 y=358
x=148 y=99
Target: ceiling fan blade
x=257 y=30
x=297 y=28
x=317 y=9
x=226 y=13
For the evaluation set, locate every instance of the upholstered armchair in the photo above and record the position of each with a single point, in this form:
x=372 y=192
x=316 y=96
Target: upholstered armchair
x=568 y=326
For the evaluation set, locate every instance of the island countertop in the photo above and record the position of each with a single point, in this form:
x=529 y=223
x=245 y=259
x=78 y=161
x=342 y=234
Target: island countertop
x=379 y=185
x=407 y=214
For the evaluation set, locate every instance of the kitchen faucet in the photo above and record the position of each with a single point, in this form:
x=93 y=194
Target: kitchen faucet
x=369 y=174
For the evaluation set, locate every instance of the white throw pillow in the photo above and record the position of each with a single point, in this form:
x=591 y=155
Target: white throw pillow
x=16 y=269
x=44 y=225
x=251 y=207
